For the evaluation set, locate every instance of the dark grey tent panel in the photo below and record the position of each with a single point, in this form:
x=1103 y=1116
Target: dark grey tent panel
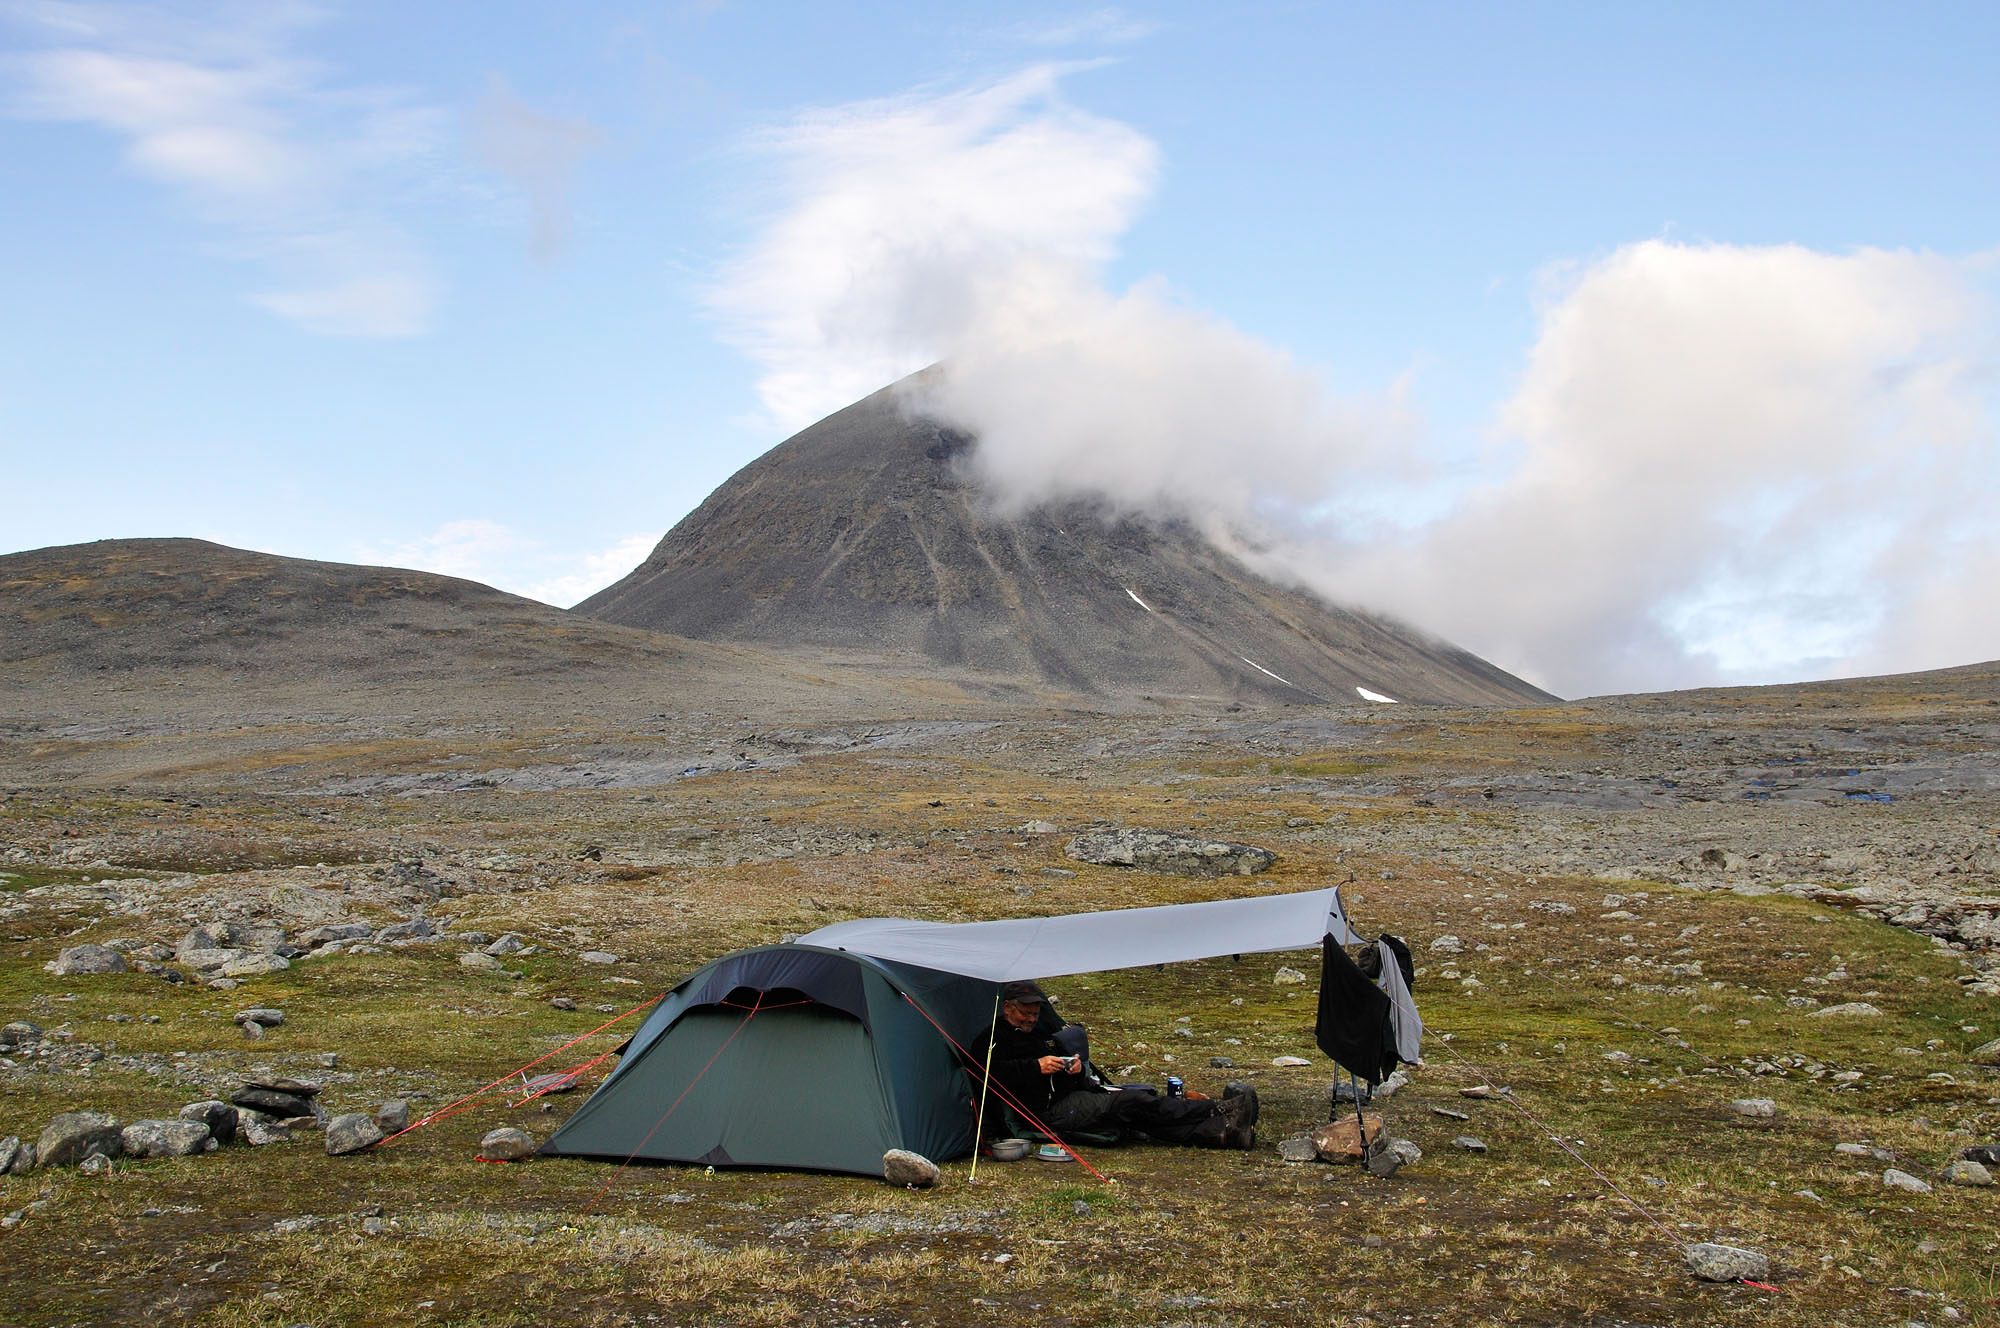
x=795 y=1057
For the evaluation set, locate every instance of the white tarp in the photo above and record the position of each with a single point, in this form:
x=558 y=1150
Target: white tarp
x=1090 y=942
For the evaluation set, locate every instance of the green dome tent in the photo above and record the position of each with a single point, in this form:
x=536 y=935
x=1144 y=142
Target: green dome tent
x=794 y=1057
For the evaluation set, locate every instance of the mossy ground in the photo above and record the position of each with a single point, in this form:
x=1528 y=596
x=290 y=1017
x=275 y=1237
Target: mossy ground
x=1523 y=1234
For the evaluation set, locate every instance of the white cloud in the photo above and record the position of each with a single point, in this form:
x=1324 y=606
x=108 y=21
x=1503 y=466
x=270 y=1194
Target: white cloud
x=255 y=140
x=1726 y=463
x=478 y=549
x=1721 y=463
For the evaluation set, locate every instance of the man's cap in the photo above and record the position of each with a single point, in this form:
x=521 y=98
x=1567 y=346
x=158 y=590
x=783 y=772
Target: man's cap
x=1024 y=993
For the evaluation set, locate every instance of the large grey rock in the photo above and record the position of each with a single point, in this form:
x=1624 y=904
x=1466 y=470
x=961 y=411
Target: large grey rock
x=255 y=966
x=209 y=960
x=20 y=1033
x=1904 y=1181
x=1987 y=1053
x=86 y=959
x=598 y=957
x=1726 y=1263
x=476 y=959
x=506 y=1144
x=1406 y=1151
x=1754 y=1106
x=336 y=931
x=271 y=1102
x=1301 y=1149
x=393 y=1116
x=165 y=1138
x=75 y=1135
x=1987 y=1155
x=416 y=929
x=902 y=1167
x=506 y=944
x=198 y=940
x=261 y=1014
x=351 y=1132
x=1965 y=1172
x=11 y=1149
x=1852 y=1009
x=219 y=1118
x=1180 y=855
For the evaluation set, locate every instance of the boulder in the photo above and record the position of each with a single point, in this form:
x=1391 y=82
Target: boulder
x=255 y=966
x=86 y=959
x=165 y=1138
x=1341 y=1140
x=281 y=1106
x=20 y=1033
x=219 y=1118
x=1987 y=1053
x=351 y=1132
x=1406 y=1151
x=1179 y=855
x=506 y=944
x=279 y=1083
x=1300 y=1149
x=75 y=1135
x=263 y=1015
x=1726 y=1263
x=1289 y=977
x=336 y=931
x=10 y=1154
x=1904 y=1181
x=197 y=940
x=476 y=959
x=393 y=1116
x=1852 y=1009
x=902 y=1167
x=1754 y=1106
x=506 y=1144
x=1964 y=1172
x=416 y=929
x=209 y=960
x=1986 y=1155
x=598 y=957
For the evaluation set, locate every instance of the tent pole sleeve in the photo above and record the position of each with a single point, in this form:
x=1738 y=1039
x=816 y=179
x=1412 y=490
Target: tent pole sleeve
x=985 y=1078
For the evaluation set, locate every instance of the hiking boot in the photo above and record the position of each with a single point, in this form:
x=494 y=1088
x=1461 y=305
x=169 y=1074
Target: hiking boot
x=1244 y=1138
x=1239 y=1104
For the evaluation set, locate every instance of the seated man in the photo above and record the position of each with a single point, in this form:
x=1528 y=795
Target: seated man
x=1040 y=1068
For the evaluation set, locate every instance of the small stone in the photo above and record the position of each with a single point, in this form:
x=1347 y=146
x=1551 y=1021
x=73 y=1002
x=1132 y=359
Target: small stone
x=256 y=1129
x=97 y=1164
x=329 y=1060
x=1221 y=1063
x=562 y=1002
x=1406 y=1151
x=1449 y=1114
x=255 y=1032
x=164 y=1138
x=1963 y=1172
x=1290 y=1062
x=261 y=1014
x=10 y=1154
x=283 y=1106
x=1754 y=1106
x=75 y=1135
x=1037 y=828
x=79 y=959
x=1726 y=1263
x=1371 y=1242
x=20 y=1033
x=279 y=1083
x=506 y=944
x=351 y=1132
x=598 y=957
x=1477 y=1090
x=506 y=1144
x=218 y=1118
x=1858 y=1009
x=1289 y=977
x=1300 y=1149
x=1903 y=1180
x=1469 y=1144
x=1447 y=944
x=393 y=1117
x=374 y=1226
x=902 y=1167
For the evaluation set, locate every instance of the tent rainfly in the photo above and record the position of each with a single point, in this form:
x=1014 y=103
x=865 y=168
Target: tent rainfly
x=824 y=1053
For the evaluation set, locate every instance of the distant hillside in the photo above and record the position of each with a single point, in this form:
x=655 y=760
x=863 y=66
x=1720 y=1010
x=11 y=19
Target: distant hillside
x=861 y=532
x=163 y=605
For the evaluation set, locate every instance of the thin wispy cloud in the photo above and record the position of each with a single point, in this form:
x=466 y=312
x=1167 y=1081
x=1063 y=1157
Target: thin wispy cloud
x=538 y=153
x=298 y=170
x=1720 y=463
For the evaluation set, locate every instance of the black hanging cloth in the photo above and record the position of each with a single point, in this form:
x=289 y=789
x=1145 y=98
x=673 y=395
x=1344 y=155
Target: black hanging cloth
x=1353 y=1026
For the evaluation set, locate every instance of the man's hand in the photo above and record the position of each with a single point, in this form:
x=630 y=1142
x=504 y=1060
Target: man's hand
x=1055 y=1064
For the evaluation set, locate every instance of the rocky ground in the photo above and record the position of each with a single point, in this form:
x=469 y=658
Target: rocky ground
x=1719 y=967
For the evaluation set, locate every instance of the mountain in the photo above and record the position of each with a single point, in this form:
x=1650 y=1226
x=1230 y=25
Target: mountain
x=863 y=532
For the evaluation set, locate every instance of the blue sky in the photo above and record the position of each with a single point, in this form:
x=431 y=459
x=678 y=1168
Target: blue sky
x=505 y=289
